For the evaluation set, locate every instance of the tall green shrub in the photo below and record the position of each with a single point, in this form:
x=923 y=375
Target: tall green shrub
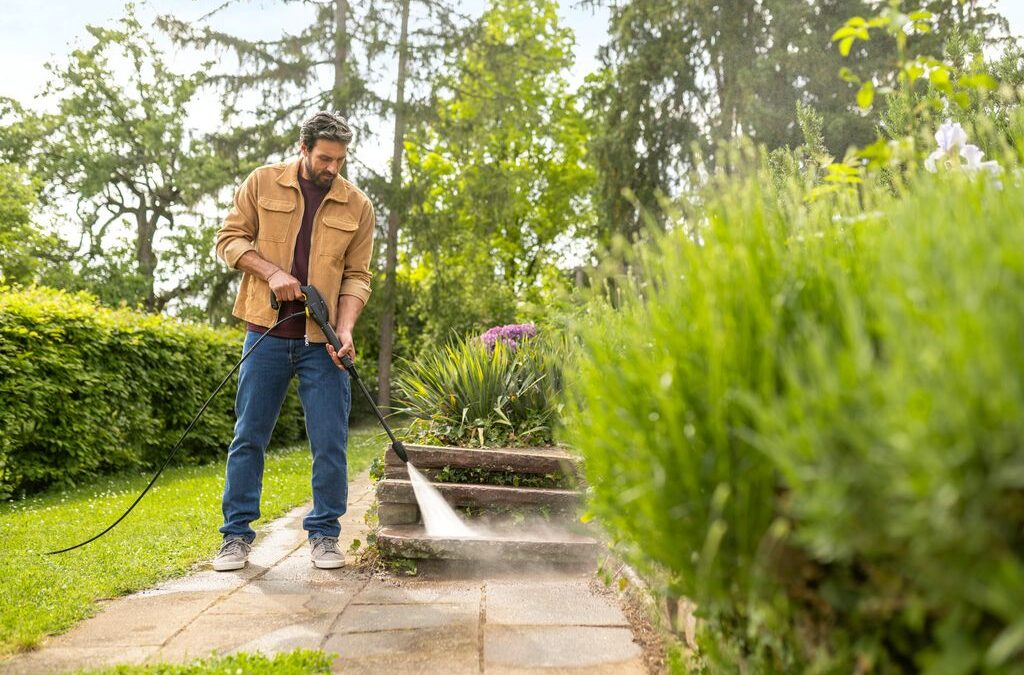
x=808 y=418
x=84 y=389
x=471 y=393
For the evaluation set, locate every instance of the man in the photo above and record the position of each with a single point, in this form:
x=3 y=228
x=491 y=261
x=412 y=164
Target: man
x=292 y=224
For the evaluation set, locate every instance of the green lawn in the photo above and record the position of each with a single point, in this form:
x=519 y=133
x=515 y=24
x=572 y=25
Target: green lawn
x=298 y=662
x=174 y=527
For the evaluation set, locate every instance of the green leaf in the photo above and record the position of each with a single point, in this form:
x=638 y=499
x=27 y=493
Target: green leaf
x=979 y=81
x=848 y=75
x=1006 y=645
x=866 y=95
x=843 y=32
x=914 y=71
x=939 y=77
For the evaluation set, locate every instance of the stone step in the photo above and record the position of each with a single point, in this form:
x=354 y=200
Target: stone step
x=409 y=514
x=396 y=491
x=402 y=472
x=510 y=546
x=515 y=460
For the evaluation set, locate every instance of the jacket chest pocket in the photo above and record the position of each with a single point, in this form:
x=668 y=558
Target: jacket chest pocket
x=337 y=233
x=275 y=219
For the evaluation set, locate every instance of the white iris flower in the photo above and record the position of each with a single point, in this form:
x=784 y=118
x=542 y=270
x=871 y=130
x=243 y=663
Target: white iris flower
x=954 y=150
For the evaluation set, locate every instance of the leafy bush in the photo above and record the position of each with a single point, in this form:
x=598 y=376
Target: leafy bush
x=807 y=418
x=84 y=390
x=486 y=393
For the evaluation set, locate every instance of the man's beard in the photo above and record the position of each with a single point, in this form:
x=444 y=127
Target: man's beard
x=322 y=179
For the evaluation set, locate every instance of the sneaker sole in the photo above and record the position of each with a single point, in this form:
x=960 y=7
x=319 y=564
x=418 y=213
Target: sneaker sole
x=328 y=564
x=228 y=566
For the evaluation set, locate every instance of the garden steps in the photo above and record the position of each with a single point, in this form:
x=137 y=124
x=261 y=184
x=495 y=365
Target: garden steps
x=389 y=513
x=397 y=491
x=554 y=547
x=515 y=460
x=537 y=525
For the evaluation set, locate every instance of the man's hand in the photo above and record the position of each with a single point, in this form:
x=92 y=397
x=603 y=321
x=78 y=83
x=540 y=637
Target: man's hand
x=347 y=347
x=285 y=286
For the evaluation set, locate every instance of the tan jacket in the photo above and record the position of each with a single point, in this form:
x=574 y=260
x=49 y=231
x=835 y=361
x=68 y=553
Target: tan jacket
x=266 y=217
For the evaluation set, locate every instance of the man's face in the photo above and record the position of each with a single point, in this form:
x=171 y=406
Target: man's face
x=323 y=161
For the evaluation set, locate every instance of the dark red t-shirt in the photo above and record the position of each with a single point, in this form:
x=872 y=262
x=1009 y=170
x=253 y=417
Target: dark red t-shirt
x=312 y=196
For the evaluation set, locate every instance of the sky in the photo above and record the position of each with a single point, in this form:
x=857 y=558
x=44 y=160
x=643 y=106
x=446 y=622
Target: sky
x=34 y=33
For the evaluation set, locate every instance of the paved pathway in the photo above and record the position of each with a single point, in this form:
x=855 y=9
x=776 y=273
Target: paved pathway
x=499 y=624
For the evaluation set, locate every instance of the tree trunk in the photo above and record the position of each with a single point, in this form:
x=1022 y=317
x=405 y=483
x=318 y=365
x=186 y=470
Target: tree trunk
x=339 y=94
x=144 y=254
x=387 y=319
x=341 y=43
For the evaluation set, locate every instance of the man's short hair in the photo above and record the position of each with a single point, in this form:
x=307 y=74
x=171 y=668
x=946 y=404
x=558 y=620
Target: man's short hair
x=326 y=126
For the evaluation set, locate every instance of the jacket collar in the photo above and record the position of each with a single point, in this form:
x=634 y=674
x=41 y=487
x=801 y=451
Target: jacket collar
x=289 y=177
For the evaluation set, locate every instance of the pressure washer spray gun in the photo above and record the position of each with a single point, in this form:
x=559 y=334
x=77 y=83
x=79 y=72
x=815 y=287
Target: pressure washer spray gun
x=316 y=309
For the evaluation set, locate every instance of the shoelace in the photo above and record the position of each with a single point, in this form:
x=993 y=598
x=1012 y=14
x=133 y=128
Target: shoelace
x=326 y=545
x=234 y=546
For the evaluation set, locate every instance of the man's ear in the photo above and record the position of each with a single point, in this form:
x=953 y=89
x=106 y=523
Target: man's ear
x=303 y=149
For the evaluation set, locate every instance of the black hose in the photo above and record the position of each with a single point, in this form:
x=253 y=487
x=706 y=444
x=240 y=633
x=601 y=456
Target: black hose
x=177 y=445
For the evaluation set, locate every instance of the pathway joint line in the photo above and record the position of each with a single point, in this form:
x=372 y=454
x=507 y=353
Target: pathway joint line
x=480 y=624
x=329 y=633
x=224 y=596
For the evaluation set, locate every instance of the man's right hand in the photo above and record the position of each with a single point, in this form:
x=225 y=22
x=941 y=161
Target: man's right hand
x=284 y=286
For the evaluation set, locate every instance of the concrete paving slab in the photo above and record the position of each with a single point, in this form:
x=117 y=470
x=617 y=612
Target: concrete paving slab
x=374 y=618
x=347 y=587
x=299 y=568
x=138 y=621
x=300 y=635
x=379 y=592
x=62 y=659
x=289 y=597
x=206 y=581
x=453 y=664
x=226 y=633
x=558 y=647
x=635 y=667
x=550 y=603
x=417 y=643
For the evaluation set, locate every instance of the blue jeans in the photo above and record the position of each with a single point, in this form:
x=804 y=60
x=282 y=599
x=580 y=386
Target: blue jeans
x=325 y=393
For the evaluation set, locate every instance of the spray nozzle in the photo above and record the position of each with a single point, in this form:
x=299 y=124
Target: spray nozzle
x=400 y=451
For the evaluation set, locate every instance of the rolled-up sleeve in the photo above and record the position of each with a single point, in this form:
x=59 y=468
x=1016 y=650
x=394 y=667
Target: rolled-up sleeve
x=238 y=232
x=355 y=279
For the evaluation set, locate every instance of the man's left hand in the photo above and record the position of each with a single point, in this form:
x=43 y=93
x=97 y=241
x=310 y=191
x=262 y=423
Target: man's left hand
x=347 y=347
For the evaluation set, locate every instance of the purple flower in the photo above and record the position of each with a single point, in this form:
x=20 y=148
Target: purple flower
x=511 y=335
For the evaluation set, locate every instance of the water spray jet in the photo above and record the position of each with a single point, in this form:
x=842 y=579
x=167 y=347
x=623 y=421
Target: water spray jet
x=439 y=518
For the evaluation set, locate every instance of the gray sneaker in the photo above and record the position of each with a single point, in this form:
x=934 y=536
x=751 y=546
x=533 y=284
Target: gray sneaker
x=325 y=553
x=233 y=555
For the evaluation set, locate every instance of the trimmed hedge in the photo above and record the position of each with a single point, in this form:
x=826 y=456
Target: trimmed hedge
x=86 y=390
x=813 y=426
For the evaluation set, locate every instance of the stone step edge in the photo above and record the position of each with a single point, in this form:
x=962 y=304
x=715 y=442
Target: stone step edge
x=397 y=491
x=516 y=460
x=412 y=542
x=391 y=513
x=401 y=472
